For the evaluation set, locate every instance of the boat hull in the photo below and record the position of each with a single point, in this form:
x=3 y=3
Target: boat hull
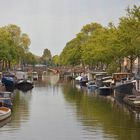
x=123 y=89
x=83 y=83
x=24 y=85
x=4 y=113
x=6 y=102
x=105 y=91
x=6 y=99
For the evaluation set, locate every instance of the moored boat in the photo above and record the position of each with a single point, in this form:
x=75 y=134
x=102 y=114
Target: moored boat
x=6 y=99
x=122 y=85
x=9 y=80
x=24 y=85
x=123 y=89
x=105 y=90
x=4 y=113
x=91 y=85
x=77 y=79
x=5 y=121
x=83 y=81
x=98 y=77
x=5 y=94
x=132 y=100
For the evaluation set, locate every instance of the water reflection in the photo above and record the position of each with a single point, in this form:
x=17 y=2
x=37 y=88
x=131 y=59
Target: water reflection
x=20 y=110
x=97 y=114
x=50 y=78
x=57 y=110
x=4 y=122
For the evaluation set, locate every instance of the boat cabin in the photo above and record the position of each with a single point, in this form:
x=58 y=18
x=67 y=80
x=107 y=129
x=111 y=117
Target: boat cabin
x=98 y=75
x=118 y=77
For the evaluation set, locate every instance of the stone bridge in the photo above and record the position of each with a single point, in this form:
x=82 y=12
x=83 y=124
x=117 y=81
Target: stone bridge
x=61 y=70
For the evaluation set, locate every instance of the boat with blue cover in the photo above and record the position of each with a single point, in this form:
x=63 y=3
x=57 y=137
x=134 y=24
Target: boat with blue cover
x=8 y=80
x=6 y=99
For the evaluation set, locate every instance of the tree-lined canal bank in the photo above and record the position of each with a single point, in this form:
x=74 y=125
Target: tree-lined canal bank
x=63 y=112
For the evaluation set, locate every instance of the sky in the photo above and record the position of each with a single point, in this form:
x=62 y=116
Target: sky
x=52 y=23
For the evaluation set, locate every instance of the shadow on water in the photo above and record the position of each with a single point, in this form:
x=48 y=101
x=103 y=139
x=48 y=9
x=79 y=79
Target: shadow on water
x=96 y=112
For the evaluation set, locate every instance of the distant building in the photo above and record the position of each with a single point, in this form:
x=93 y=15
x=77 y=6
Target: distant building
x=136 y=66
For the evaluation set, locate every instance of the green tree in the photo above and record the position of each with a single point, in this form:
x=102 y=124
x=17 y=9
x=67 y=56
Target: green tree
x=129 y=32
x=56 y=60
x=47 y=57
x=13 y=45
x=25 y=42
x=5 y=42
x=71 y=54
x=30 y=58
x=99 y=46
x=92 y=44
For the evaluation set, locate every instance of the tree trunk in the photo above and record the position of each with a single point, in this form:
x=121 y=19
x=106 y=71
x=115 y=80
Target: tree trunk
x=138 y=72
x=131 y=65
x=120 y=66
x=9 y=64
x=6 y=65
x=3 y=65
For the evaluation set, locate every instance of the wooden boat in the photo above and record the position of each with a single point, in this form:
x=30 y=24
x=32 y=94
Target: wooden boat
x=5 y=121
x=4 y=113
x=24 y=85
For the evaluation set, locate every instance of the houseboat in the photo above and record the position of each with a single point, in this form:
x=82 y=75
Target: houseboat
x=123 y=85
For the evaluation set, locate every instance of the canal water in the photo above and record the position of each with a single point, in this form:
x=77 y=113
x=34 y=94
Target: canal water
x=58 y=110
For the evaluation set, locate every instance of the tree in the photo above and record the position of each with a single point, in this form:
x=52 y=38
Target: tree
x=25 y=42
x=5 y=42
x=92 y=44
x=129 y=32
x=47 y=57
x=71 y=54
x=56 y=60
x=13 y=45
x=30 y=58
x=100 y=46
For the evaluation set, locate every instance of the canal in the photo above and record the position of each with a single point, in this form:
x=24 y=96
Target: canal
x=57 y=110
